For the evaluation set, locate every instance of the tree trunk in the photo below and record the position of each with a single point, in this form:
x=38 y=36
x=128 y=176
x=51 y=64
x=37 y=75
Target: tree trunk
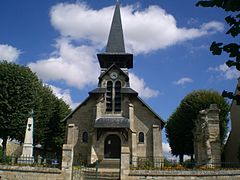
x=181 y=158
x=4 y=146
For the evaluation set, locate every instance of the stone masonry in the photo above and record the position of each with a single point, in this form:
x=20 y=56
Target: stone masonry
x=207 y=146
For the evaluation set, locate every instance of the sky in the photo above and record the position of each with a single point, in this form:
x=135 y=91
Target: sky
x=170 y=40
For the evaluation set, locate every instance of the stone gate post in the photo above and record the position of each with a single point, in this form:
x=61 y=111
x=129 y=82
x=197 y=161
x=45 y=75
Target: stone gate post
x=125 y=160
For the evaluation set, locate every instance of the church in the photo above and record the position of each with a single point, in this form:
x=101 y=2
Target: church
x=113 y=116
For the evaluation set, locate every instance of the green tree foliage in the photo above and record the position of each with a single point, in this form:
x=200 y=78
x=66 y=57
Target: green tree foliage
x=17 y=96
x=181 y=123
x=232 y=49
x=20 y=92
x=49 y=111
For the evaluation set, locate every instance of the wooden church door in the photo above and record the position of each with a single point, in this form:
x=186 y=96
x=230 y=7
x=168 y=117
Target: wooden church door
x=112 y=147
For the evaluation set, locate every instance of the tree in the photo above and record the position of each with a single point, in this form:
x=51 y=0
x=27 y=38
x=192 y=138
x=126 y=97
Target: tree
x=21 y=91
x=17 y=96
x=181 y=123
x=233 y=49
x=49 y=129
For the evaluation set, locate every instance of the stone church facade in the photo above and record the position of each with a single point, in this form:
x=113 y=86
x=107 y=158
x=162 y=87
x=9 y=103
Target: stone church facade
x=113 y=116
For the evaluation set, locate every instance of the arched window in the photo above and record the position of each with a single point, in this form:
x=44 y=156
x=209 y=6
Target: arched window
x=141 y=137
x=117 y=101
x=109 y=96
x=85 y=137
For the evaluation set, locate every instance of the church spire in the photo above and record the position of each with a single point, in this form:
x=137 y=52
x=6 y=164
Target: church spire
x=115 y=42
x=115 y=50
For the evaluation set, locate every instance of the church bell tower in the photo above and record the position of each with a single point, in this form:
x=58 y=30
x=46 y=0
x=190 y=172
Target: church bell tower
x=114 y=78
x=113 y=117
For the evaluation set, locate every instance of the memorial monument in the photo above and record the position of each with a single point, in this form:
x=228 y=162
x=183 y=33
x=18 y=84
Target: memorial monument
x=27 y=152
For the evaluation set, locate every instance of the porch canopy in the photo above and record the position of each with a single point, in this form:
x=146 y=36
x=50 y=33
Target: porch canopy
x=112 y=122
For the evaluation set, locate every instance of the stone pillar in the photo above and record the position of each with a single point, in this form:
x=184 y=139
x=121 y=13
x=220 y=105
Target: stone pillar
x=72 y=134
x=131 y=117
x=125 y=160
x=27 y=153
x=207 y=147
x=68 y=151
x=133 y=135
x=67 y=161
x=93 y=157
x=157 y=146
x=134 y=149
x=214 y=135
x=98 y=111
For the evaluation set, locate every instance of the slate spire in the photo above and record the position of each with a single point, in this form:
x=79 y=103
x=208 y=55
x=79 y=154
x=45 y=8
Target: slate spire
x=115 y=49
x=115 y=42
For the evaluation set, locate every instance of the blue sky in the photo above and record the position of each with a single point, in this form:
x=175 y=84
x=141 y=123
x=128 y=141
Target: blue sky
x=59 y=40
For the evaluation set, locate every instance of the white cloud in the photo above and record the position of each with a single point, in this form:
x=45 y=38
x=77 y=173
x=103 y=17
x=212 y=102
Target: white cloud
x=167 y=153
x=9 y=53
x=212 y=27
x=84 y=31
x=226 y=72
x=139 y=85
x=65 y=95
x=166 y=148
x=78 y=21
x=183 y=81
x=75 y=65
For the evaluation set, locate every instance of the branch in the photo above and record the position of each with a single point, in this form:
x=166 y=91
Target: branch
x=227 y=5
x=230 y=95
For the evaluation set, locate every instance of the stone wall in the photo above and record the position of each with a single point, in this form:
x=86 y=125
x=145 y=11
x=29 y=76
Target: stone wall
x=144 y=120
x=40 y=173
x=13 y=148
x=186 y=175
x=30 y=173
x=83 y=119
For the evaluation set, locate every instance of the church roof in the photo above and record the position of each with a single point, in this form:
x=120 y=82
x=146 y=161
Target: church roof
x=74 y=110
x=126 y=90
x=112 y=122
x=98 y=90
x=115 y=42
x=120 y=121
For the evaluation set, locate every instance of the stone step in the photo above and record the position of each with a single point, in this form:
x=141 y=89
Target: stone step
x=103 y=175
x=110 y=163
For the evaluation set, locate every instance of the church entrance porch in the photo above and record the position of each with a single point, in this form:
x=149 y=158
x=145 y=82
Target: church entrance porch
x=112 y=147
